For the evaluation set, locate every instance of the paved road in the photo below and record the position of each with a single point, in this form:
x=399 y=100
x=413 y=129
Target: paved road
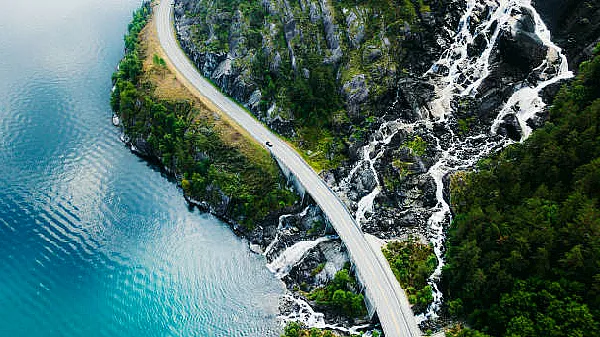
x=381 y=286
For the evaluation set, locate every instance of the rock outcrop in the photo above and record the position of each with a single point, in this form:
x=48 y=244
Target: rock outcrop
x=575 y=25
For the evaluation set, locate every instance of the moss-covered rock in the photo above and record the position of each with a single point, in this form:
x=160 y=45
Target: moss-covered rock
x=314 y=71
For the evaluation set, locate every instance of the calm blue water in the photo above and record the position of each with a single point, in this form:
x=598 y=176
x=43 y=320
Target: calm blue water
x=94 y=242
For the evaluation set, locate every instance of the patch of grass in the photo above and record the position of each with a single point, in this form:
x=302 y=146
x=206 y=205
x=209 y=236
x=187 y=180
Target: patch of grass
x=403 y=167
x=159 y=61
x=417 y=146
x=412 y=262
x=320 y=149
x=317 y=269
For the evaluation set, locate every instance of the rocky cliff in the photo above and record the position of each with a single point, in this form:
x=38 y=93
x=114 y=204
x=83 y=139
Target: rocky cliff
x=575 y=25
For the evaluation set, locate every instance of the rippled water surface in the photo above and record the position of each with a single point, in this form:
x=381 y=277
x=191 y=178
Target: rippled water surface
x=93 y=241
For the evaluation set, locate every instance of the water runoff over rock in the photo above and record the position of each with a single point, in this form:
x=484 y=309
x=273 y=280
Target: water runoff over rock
x=471 y=70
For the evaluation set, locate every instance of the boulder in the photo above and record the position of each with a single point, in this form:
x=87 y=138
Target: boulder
x=356 y=92
x=519 y=46
x=510 y=127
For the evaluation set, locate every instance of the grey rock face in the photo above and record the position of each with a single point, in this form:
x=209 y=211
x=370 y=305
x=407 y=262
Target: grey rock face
x=575 y=26
x=520 y=47
x=328 y=25
x=356 y=92
x=362 y=183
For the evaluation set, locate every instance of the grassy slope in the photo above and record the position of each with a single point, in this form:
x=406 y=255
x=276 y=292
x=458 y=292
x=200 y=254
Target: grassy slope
x=168 y=84
x=213 y=158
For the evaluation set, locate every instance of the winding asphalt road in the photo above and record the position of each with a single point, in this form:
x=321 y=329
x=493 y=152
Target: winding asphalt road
x=380 y=286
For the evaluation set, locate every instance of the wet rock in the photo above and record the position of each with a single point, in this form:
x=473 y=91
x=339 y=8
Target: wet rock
x=478 y=46
x=493 y=92
x=302 y=274
x=521 y=49
x=549 y=92
x=575 y=26
x=413 y=96
x=362 y=182
x=510 y=127
x=318 y=266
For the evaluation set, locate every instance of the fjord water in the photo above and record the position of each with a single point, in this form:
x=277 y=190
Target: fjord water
x=93 y=241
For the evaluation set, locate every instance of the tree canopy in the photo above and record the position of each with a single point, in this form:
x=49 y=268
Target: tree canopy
x=524 y=247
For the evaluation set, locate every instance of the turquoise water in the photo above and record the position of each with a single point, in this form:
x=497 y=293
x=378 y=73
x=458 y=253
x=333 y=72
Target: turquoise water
x=93 y=241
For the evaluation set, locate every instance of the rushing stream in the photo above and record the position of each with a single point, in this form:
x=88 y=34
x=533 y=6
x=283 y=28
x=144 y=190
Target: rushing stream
x=458 y=74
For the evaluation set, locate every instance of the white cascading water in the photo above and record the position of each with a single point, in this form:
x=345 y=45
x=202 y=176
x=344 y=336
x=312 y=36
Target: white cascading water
x=525 y=102
x=464 y=76
x=280 y=226
x=290 y=257
x=305 y=314
x=370 y=154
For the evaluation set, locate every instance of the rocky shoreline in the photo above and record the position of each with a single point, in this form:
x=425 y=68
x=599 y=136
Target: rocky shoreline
x=294 y=241
x=295 y=244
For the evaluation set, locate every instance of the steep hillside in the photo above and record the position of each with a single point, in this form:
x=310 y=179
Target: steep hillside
x=524 y=247
x=318 y=72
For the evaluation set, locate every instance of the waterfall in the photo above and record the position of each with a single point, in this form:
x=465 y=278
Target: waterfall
x=459 y=73
x=280 y=226
x=290 y=257
x=464 y=79
x=370 y=153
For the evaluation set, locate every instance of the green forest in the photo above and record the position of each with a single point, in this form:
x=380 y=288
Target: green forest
x=523 y=254
x=207 y=165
